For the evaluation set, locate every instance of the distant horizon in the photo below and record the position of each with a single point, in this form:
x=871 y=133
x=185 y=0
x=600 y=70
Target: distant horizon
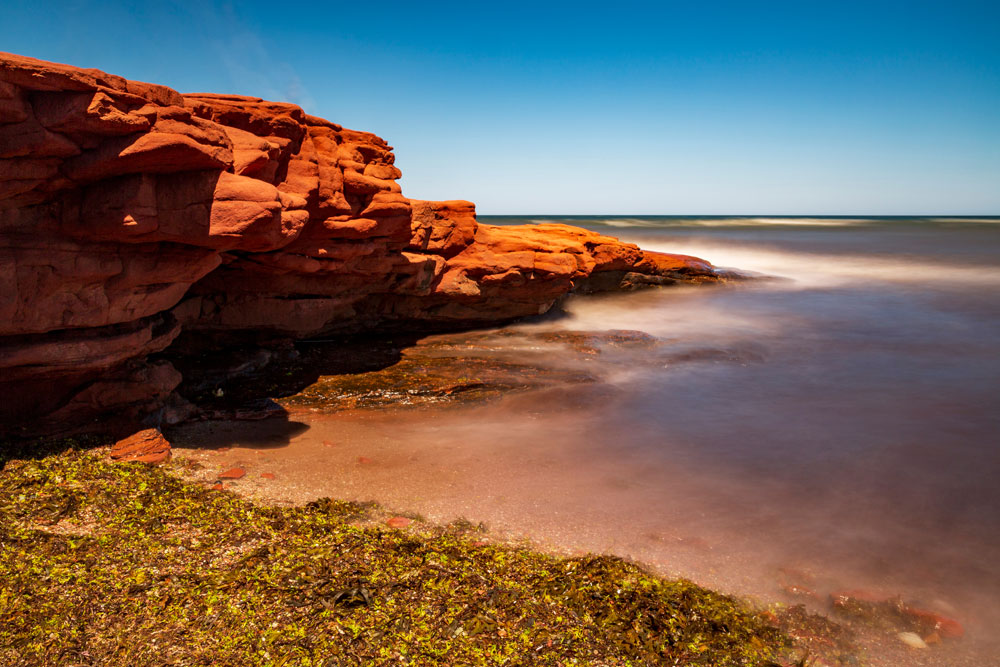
x=874 y=106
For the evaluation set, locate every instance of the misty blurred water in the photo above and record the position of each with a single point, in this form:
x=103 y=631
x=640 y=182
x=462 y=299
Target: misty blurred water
x=841 y=421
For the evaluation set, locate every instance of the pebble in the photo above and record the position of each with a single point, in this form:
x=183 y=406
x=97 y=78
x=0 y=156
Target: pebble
x=912 y=639
x=398 y=522
x=233 y=473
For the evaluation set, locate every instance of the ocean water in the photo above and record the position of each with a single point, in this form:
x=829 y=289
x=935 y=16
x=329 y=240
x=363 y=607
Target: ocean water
x=836 y=426
x=849 y=421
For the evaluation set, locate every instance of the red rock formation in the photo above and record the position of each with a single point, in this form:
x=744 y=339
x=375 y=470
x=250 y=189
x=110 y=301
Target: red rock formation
x=130 y=212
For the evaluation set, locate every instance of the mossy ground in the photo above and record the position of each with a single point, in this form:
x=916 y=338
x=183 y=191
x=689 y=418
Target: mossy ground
x=124 y=564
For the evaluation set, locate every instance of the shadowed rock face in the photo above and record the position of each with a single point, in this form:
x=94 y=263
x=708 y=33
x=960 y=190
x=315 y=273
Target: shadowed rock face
x=130 y=213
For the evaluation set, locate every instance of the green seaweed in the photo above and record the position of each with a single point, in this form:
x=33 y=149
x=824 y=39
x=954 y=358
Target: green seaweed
x=126 y=564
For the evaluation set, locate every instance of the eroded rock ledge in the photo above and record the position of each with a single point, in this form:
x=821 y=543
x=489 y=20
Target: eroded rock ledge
x=130 y=213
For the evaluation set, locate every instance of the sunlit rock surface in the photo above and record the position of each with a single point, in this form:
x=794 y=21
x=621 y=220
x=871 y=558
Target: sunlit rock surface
x=146 y=446
x=130 y=214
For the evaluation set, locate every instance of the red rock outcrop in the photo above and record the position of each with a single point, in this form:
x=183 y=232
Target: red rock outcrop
x=130 y=212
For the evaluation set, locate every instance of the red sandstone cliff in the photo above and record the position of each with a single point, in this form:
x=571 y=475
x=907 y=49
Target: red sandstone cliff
x=130 y=212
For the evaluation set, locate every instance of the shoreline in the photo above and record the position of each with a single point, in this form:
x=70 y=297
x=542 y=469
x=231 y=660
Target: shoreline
x=581 y=349
x=190 y=531
x=418 y=457
x=368 y=479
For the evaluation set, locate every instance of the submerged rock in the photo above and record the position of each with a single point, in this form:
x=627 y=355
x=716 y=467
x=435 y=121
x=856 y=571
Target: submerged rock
x=932 y=623
x=464 y=367
x=893 y=611
x=420 y=380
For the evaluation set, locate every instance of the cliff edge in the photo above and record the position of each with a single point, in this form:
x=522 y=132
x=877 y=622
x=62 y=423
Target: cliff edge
x=130 y=213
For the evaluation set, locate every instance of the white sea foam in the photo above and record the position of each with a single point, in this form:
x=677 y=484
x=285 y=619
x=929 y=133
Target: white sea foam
x=712 y=222
x=796 y=222
x=745 y=221
x=705 y=222
x=631 y=222
x=819 y=270
x=985 y=221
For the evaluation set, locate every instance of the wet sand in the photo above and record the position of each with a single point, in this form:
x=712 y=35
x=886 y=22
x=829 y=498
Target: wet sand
x=569 y=495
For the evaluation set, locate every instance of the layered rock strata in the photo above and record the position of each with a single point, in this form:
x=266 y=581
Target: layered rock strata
x=130 y=213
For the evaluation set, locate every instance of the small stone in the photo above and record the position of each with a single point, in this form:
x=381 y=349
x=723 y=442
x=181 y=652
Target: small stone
x=932 y=638
x=233 y=473
x=216 y=487
x=147 y=446
x=912 y=639
x=267 y=475
x=398 y=522
x=364 y=460
x=328 y=443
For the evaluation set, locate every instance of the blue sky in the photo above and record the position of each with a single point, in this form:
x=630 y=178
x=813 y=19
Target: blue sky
x=612 y=107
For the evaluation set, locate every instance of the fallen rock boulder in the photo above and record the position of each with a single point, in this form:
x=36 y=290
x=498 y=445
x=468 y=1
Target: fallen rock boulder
x=146 y=446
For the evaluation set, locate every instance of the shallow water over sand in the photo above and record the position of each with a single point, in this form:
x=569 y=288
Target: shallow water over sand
x=842 y=423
